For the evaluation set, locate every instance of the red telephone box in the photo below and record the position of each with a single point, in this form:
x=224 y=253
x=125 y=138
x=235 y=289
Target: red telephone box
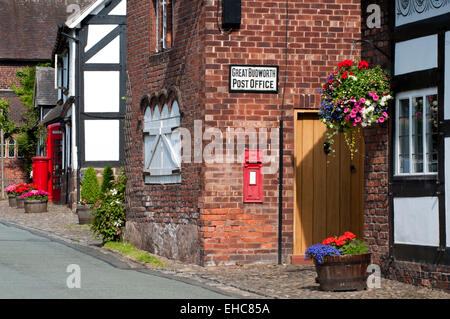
x=40 y=172
x=55 y=153
x=253 y=177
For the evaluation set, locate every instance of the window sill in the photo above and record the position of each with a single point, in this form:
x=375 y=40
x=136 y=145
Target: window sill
x=161 y=57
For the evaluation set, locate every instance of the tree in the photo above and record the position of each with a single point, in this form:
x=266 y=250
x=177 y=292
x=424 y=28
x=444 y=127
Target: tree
x=108 y=179
x=90 y=189
x=7 y=127
x=32 y=130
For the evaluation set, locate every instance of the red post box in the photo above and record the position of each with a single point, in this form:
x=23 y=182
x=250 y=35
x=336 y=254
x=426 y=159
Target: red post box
x=253 y=177
x=40 y=172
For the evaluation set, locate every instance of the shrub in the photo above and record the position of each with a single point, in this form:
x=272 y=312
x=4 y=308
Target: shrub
x=108 y=179
x=90 y=189
x=109 y=212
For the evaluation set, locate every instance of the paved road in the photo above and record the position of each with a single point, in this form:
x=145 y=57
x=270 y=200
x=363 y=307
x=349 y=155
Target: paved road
x=37 y=267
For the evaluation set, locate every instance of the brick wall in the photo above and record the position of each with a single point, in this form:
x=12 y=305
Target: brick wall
x=14 y=167
x=164 y=219
x=376 y=208
x=320 y=34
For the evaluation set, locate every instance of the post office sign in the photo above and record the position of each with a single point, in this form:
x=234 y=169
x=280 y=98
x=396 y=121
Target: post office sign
x=253 y=79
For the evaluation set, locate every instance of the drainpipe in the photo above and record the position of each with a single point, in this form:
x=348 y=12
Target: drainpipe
x=281 y=146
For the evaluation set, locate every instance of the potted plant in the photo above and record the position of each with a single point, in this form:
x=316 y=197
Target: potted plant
x=11 y=195
x=90 y=192
x=341 y=263
x=35 y=201
x=354 y=96
x=19 y=190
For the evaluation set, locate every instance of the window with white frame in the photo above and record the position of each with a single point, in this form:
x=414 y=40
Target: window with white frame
x=162 y=144
x=416 y=137
x=164 y=23
x=11 y=148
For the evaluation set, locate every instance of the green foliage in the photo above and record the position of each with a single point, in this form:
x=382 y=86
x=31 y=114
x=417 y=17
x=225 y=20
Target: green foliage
x=354 y=247
x=107 y=179
x=31 y=130
x=90 y=189
x=109 y=215
x=130 y=251
x=5 y=124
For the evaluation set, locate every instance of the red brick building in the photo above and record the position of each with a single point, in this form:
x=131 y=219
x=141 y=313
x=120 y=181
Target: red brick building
x=198 y=211
x=202 y=216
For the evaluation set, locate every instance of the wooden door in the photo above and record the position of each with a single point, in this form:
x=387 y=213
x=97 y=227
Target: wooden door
x=328 y=189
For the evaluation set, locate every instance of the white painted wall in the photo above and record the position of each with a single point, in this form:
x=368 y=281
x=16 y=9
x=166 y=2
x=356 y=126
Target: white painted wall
x=73 y=65
x=416 y=55
x=447 y=77
x=96 y=32
x=120 y=9
x=447 y=188
x=101 y=91
x=101 y=138
x=109 y=54
x=416 y=221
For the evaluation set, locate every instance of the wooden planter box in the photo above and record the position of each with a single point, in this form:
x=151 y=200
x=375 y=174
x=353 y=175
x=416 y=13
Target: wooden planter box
x=35 y=206
x=341 y=273
x=19 y=202
x=12 y=201
x=85 y=216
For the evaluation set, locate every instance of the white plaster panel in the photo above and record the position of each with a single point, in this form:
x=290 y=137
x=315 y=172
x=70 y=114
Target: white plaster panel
x=101 y=140
x=416 y=55
x=447 y=77
x=109 y=54
x=416 y=221
x=447 y=188
x=120 y=9
x=101 y=91
x=96 y=32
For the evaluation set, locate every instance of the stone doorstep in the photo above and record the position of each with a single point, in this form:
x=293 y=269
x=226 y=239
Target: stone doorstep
x=300 y=260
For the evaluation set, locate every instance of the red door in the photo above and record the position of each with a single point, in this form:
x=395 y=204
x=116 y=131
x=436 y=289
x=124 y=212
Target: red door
x=55 y=153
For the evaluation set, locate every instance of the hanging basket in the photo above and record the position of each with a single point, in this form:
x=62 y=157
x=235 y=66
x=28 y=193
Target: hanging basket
x=354 y=97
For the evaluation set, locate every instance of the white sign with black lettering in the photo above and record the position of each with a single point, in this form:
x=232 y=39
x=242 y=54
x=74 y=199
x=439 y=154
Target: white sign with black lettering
x=251 y=78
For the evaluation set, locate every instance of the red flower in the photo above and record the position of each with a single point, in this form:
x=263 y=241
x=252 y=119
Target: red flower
x=345 y=63
x=329 y=241
x=363 y=64
x=344 y=76
x=340 y=242
x=349 y=235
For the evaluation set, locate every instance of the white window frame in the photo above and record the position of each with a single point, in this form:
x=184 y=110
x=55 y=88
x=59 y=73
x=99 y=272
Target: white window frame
x=162 y=42
x=8 y=145
x=410 y=95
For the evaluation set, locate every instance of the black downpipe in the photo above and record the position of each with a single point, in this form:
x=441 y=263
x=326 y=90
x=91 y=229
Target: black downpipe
x=281 y=146
x=280 y=195
x=77 y=114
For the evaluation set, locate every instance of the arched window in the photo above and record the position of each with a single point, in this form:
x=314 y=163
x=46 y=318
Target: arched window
x=162 y=146
x=11 y=148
